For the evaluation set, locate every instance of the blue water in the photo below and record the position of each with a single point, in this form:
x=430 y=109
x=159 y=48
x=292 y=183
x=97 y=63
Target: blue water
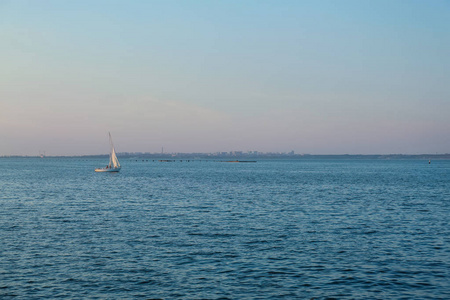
x=323 y=229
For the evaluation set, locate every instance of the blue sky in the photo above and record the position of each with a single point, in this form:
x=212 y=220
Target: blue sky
x=316 y=77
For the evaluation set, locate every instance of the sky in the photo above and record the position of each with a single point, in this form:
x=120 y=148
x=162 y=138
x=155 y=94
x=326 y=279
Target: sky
x=317 y=77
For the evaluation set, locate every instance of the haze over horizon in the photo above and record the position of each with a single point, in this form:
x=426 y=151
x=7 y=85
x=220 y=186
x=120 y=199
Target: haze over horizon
x=318 y=77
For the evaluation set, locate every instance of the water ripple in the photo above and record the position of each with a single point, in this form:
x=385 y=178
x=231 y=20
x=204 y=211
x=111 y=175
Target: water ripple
x=204 y=230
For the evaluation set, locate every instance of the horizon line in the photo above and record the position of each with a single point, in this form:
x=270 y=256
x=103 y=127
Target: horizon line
x=227 y=154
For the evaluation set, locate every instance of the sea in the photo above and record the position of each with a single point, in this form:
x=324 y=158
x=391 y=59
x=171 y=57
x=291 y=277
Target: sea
x=205 y=229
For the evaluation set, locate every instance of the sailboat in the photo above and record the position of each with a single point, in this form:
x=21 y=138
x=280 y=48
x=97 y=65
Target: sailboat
x=114 y=165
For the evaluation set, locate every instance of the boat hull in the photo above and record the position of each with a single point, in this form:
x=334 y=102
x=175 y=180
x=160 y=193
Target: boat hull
x=107 y=170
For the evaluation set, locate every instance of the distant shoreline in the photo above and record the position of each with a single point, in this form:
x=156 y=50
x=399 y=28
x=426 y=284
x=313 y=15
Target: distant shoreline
x=244 y=156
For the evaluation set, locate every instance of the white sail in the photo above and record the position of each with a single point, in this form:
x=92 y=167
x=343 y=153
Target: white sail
x=113 y=161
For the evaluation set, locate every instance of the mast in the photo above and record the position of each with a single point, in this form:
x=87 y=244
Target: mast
x=111 y=147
